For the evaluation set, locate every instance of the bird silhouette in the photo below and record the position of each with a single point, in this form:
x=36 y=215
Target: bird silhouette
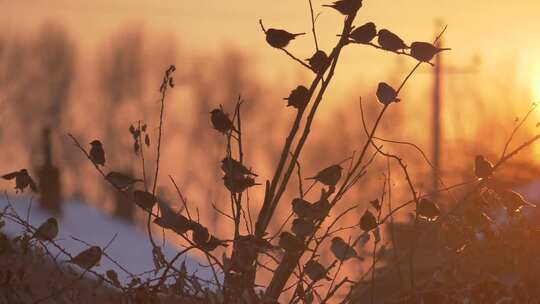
x=172 y=220
x=290 y=243
x=329 y=176
x=343 y=251
x=428 y=209
x=318 y=62
x=368 y=221
x=386 y=94
x=87 y=258
x=483 y=168
x=144 y=199
x=364 y=34
x=299 y=97
x=302 y=227
x=213 y=243
x=120 y=180
x=238 y=184
x=280 y=38
x=22 y=180
x=221 y=121
x=346 y=7
x=513 y=201
x=315 y=271
x=390 y=41
x=425 y=51
x=200 y=234
x=48 y=230
x=97 y=154
x=232 y=167
x=302 y=208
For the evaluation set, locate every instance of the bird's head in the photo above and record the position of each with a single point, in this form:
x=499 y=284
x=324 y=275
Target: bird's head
x=95 y=143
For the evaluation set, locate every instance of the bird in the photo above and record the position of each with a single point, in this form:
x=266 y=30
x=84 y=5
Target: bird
x=368 y=221
x=302 y=208
x=345 y=7
x=320 y=209
x=364 y=34
x=120 y=180
x=302 y=227
x=47 y=231
x=87 y=258
x=386 y=94
x=328 y=176
x=290 y=243
x=318 y=61
x=231 y=166
x=299 y=97
x=97 y=154
x=342 y=251
x=221 y=121
x=428 y=209
x=200 y=234
x=390 y=41
x=483 y=168
x=144 y=199
x=172 y=220
x=238 y=184
x=22 y=180
x=315 y=271
x=280 y=38
x=213 y=243
x=425 y=51
x=513 y=201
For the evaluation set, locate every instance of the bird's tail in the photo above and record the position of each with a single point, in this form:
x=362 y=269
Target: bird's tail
x=299 y=34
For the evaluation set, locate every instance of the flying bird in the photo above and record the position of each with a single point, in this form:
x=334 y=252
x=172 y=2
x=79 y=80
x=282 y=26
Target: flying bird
x=299 y=97
x=22 y=180
x=97 y=154
x=318 y=61
x=343 y=251
x=87 y=258
x=483 y=168
x=120 y=180
x=386 y=94
x=346 y=7
x=390 y=41
x=364 y=34
x=328 y=176
x=280 y=38
x=221 y=121
x=48 y=230
x=425 y=51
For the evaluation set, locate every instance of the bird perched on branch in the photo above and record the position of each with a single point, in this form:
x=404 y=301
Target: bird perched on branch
x=425 y=51
x=346 y=7
x=120 y=180
x=513 y=201
x=315 y=271
x=280 y=38
x=172 y=220
x=221 y=121
x=144 y=199
x=299 y=97
x=231 y=166
x=238 y=184
x=22 y=180
x=364 y=34
x=390 y=41
x=290 y=243
x=483 y=168
x=343 y=251
x=47 y=231
x=386 y=94
x=328 y=176
x=428 y=209
x=302 y=227
x=97 y=154
x=318 y=61
x=368 y=221
x=302 y=208
x=87 y=258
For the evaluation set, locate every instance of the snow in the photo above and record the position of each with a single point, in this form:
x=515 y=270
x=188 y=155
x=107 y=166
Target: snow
x=131 y=247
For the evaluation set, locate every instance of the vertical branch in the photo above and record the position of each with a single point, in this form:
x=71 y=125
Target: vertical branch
x=313 y=25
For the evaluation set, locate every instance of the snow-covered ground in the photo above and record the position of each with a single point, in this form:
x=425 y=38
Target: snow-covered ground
x=131 y=247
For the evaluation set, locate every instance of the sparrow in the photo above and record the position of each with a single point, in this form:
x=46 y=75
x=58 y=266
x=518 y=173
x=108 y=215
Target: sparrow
x=47 y=231
x=232 y=167
x=120 y=180
x=425 y=51
x=302 y=208
x=200 y=234
x=172 y=220
x=144 y=199
x=97 y=154
x=320 y=209
x=513 y=201
x=302 y=227
x=87 y=258
x=299 y=97
x=483 y=168
x=364 y=34
x=315 y=271
x=428 y=209
x=318 y=61
x=346 y=7
x=342 y=251
x=390 y=41
x=238 y=184
x=221 y=121
x=22 y=180
x=280 y=38
x=328 y=176
x=290 y=243
x=386 y=94
x=368 y=221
